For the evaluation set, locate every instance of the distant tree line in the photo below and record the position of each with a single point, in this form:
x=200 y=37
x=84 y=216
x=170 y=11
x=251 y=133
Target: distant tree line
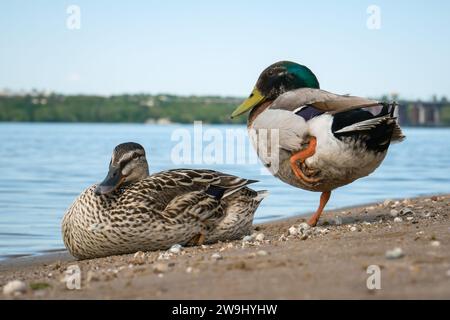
x=121 y=108
x=138 y=108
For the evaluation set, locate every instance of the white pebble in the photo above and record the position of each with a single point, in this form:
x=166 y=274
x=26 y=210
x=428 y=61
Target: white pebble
x=394 y=253
x=14 y=288
x=393 y=213
x=175 y=249
x=293 y=231
x=353 y=229
x=387 y=202
x=259 y=237
x=247 y=239
x=435 y=243
x=409 y=218
x=303 y=227
x=216 y=256
x=189 y=269
x=398 y=219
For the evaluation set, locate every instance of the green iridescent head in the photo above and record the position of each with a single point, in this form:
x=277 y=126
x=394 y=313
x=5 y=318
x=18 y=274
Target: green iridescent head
x=275 y=80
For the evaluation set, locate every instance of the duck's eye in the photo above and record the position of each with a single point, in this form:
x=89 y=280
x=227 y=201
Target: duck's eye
x=135 y=156
x=270 y=72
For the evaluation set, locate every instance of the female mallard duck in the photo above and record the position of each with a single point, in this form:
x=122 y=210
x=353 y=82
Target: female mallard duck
x=324 y=140
x=131 y=211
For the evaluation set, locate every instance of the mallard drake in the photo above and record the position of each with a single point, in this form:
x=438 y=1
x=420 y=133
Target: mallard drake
x=322 y=140
x=132 y=210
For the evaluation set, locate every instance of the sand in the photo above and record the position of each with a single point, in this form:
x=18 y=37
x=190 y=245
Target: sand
x=331 y=263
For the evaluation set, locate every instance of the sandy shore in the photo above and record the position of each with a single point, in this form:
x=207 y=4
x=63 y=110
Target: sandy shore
x=330 y=261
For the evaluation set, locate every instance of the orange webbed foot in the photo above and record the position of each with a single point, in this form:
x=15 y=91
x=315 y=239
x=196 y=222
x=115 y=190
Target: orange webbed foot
x=301 y=156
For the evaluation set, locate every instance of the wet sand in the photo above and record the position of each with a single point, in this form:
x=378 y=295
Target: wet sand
x=330 y=261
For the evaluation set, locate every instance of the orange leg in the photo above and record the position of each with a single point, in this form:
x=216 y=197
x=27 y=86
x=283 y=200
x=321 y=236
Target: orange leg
x=324 y=197
x=302 y=156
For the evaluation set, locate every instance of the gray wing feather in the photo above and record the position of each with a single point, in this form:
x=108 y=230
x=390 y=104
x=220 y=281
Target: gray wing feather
x=322 y=100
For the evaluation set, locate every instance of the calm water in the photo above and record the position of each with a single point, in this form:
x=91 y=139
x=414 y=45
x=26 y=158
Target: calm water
x=43 y=167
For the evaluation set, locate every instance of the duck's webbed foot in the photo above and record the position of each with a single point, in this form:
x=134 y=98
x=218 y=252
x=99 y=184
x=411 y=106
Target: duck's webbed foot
x=302 y=171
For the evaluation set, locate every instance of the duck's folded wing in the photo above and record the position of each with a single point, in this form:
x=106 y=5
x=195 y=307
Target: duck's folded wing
x=322 y=100
x=348 y=106
x=214 y=182
x=195 y=208
x=161 y=188
x=201 y=192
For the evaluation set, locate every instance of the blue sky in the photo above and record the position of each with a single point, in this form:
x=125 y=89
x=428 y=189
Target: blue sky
x=219 y=48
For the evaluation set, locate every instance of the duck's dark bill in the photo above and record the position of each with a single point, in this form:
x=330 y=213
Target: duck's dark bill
x=112 y=181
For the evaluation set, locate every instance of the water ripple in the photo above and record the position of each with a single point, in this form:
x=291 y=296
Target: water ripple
x=43 y=167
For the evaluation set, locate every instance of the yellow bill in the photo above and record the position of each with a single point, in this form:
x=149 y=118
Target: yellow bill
x=255 y=99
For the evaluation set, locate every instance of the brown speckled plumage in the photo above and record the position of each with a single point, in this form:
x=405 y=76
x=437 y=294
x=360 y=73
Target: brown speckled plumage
x=158 y=211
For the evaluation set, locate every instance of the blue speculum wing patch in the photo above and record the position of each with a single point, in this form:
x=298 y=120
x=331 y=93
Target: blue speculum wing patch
x=309 y=112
